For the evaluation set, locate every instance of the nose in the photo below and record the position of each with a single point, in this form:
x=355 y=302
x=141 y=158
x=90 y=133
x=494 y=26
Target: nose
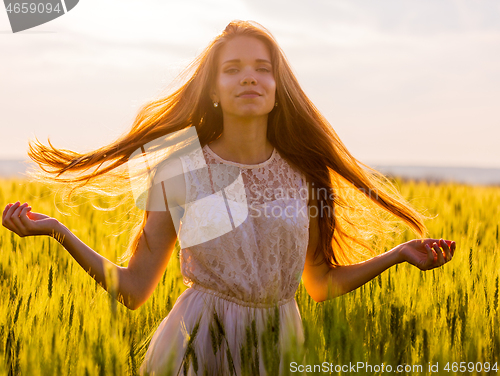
x=248 y=79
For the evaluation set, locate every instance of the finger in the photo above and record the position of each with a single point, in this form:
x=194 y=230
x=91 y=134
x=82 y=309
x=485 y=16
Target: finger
x=430 y=255
x=23 y=217
x=18 y=209
x=439 y=254
x=17 y=212
x=21 y=230
x=11 y=210
x=6 y=209
x=451 y=244
x=430 y=243
x=7 y=219
x=446 y=249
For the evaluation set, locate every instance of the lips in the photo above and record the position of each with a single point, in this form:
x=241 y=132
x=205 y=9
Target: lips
x=248 y=93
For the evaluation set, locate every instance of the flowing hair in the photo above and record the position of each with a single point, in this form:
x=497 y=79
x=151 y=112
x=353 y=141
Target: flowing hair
x=354 y=201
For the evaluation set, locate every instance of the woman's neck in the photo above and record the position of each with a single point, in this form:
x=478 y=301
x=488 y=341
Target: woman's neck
x=243 y=141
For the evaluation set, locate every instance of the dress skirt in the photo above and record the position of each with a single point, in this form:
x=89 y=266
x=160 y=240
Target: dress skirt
x=207 y=333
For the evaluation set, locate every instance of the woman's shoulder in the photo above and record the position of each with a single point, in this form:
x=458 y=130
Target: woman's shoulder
x=169 y=176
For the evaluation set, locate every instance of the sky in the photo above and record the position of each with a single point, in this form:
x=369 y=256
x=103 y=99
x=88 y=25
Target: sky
x=401 y=83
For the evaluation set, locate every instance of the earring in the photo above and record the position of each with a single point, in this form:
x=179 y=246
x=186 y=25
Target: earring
x=276 y=104
x=216 y=104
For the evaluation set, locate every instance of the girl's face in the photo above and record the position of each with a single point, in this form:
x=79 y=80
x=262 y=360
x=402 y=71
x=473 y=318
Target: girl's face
x=245 y=85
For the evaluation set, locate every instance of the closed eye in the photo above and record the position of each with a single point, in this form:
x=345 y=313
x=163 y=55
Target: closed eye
x=236 y=70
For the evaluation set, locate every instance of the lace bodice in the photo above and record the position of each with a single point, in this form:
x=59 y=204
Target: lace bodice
x=260 y=258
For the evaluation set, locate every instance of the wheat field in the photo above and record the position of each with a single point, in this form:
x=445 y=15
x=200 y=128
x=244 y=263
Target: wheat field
x=56 y=320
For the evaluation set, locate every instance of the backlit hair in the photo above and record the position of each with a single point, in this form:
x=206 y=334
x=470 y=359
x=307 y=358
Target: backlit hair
x=361 y=198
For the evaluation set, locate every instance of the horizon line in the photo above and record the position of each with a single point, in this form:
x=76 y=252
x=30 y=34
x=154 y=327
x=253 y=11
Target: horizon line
x=371 y=164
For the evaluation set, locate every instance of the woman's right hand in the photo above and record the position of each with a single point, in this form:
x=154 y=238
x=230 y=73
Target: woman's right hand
x=20 y=220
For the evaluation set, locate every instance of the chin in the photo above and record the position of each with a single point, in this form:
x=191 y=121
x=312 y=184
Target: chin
x=253 y=112
x=253 y=115
x=248 y=113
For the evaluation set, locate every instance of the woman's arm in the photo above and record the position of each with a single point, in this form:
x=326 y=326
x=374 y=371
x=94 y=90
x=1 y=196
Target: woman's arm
x=323 y=282
x=95 y=265
x=137 y=281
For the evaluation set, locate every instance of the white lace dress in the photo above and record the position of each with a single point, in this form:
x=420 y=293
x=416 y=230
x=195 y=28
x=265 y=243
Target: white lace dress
x=248 y=274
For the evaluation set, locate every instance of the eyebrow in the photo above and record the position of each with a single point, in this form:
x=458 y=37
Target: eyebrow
x=239 y=61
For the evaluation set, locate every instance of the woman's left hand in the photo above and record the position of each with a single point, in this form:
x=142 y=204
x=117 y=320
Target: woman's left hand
x=426 y=254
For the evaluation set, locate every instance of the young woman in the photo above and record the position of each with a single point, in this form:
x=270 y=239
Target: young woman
x=249 y=113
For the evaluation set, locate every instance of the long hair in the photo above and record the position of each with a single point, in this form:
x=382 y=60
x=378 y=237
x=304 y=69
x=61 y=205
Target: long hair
x=354 y=202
